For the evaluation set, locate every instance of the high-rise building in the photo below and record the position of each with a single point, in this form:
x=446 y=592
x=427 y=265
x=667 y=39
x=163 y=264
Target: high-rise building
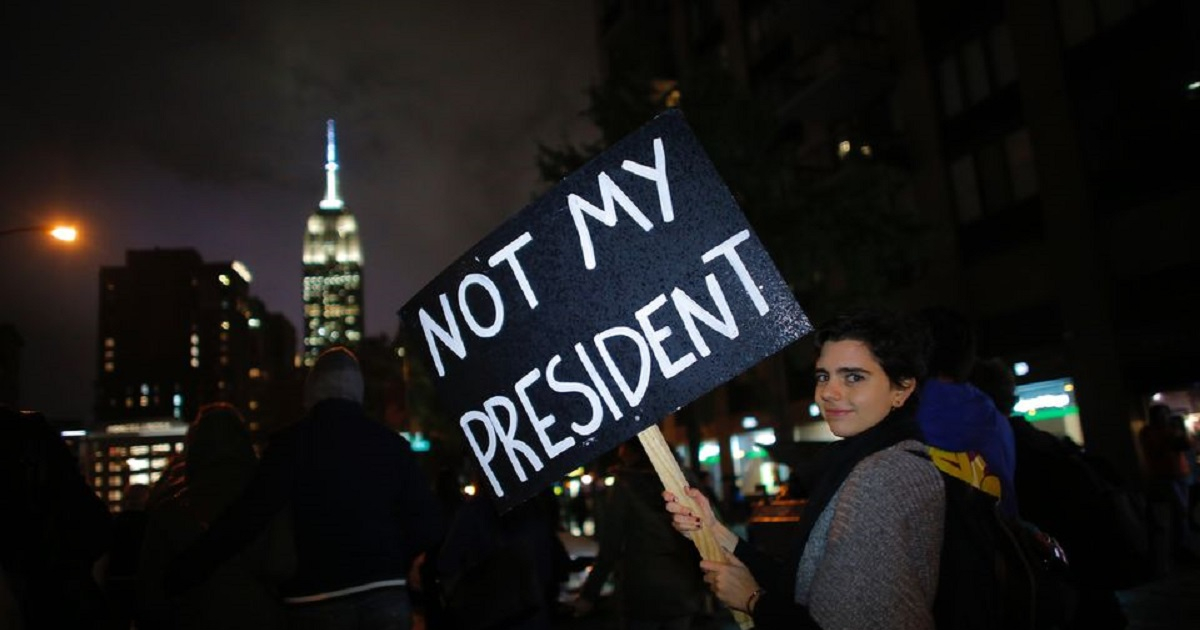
x=1030 y=137
x=333 y=305
x=177 y=332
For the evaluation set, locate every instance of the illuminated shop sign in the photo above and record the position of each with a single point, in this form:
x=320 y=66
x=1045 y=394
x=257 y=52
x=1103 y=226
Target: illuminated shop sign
x=1046 y=400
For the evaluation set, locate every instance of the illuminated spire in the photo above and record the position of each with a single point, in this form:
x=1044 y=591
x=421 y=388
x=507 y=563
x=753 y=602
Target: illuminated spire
x=331 y=201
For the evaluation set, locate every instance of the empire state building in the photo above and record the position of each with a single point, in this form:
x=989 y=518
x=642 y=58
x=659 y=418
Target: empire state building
x=333 y=296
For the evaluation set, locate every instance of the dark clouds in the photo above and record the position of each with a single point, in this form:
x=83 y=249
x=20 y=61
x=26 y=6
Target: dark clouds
x=202 y=125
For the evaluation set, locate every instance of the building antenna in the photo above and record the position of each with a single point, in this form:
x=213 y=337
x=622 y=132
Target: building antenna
x=331 y=201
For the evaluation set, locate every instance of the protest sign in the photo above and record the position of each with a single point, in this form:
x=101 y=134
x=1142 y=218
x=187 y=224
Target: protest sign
x=630 y=289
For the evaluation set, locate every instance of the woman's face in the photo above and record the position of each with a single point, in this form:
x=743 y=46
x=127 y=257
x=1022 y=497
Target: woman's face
x=853 y=391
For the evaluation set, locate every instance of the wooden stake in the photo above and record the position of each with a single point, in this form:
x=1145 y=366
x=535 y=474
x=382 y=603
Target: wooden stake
x=672 y=479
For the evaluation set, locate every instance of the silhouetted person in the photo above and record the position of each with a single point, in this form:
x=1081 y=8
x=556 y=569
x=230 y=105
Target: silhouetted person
x=529 y=530
x=121 y=564
x=1165 y=445
x=1061 y=493
x=953 y=414
x=658 y=578
x=242 y=591
x=361 y=510
x=54 y=527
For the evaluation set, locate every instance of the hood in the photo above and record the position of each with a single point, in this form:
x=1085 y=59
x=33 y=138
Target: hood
x=335 y=375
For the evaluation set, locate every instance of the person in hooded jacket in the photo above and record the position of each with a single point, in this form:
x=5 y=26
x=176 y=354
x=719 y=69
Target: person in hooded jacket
x=241 y=592
x=956 y=416
x=361 y=510
x=658 y=582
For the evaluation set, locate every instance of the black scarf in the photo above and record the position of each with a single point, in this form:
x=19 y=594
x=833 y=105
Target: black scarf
x=842 y=456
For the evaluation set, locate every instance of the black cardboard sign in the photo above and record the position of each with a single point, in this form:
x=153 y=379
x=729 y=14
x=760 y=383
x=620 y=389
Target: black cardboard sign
x=629 y=290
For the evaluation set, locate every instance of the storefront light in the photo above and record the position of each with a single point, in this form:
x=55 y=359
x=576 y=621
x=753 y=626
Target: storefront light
x=749 y=422
x=814 y=411
x=1020 y=368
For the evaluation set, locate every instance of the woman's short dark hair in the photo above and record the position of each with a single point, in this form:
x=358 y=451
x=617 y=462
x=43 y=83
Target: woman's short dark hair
x=897 y=341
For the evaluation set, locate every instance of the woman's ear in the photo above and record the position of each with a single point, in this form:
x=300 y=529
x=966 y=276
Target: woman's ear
x=901 y=392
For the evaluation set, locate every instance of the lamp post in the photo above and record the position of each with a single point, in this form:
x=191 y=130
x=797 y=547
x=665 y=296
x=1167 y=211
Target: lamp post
x=66 y=233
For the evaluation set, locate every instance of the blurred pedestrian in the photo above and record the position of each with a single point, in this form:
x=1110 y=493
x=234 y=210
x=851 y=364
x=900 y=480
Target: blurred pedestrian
x=658 y=584
x=361 y=510
x=1097 y=520
x=955 y=416
x=243 y=590
x=870 y=537
x=1165 y=445
x=501 y=571
x=54 y=529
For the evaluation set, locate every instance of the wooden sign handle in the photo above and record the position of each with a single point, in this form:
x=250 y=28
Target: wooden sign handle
x=672 y=479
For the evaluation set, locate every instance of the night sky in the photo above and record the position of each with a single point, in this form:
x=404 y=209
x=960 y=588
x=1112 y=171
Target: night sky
x=202 y=125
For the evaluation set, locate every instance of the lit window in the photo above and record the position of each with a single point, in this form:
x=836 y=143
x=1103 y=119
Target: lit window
x=141 y=450
x=253 y=405
x=144 y=401
x=255 y=372
x=109 y=342
x=109 y=366
x=195 y=362
x=164 y=447
x=225 y=325
x=224 y=279
x=843 y=148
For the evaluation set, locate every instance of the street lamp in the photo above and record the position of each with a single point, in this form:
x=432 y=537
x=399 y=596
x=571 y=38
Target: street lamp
x=66 y=233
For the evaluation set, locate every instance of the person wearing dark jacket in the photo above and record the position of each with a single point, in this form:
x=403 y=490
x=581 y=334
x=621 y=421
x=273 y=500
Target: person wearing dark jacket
x=659 y=584
x=54 y=527
x=218 y=461
x=361 y=510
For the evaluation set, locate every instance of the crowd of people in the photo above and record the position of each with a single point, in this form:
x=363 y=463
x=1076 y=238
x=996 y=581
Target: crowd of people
x=335 y=525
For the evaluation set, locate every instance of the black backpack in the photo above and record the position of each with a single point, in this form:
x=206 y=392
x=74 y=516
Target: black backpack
x=1087 y=506
x=996 y=572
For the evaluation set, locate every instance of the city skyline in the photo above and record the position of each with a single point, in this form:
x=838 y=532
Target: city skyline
x=202 y=131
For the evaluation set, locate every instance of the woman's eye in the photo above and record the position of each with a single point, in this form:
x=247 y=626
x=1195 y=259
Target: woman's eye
x=853 y=378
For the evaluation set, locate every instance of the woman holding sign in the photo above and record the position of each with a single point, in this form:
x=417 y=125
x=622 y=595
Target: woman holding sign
x=871 y=533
